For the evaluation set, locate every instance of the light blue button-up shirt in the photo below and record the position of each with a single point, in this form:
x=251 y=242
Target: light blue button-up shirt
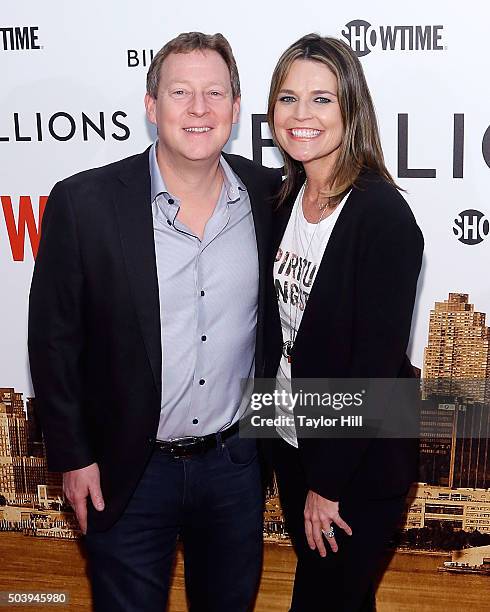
x=208 y=307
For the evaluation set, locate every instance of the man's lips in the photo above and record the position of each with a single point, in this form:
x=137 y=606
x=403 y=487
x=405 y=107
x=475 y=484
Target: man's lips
x=304 y=133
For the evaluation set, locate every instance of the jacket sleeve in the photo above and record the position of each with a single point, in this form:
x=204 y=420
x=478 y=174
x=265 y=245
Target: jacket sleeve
x=386 y=290
x=389 y=264
x=56 y=336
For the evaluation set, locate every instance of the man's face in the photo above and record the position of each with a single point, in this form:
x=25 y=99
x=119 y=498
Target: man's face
x=194 y=109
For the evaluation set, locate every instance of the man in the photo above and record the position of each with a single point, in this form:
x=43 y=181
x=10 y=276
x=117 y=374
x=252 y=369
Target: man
x=146 y=311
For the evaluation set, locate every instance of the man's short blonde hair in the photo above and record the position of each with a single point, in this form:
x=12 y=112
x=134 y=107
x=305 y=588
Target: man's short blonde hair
x=186 y=43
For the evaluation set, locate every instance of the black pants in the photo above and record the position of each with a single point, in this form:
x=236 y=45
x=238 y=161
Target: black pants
x=344 y=581
x=214 y=502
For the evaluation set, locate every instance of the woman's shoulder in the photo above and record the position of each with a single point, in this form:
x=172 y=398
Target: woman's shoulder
x=380 y=200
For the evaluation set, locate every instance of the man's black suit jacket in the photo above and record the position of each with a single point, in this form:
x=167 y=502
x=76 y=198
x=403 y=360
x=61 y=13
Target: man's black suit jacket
x=94 y=321
x=356 y=324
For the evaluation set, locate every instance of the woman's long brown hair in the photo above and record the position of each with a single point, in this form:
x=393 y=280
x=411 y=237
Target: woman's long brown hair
x=361 y=147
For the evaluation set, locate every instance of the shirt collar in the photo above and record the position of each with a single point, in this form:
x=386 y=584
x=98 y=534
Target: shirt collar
x=233 y=185
x=157 y=183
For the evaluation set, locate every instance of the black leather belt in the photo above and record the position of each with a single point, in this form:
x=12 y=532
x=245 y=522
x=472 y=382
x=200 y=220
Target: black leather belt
x=194 y=445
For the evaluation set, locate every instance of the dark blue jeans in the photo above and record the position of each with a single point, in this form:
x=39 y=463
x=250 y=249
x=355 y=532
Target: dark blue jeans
x=214 y=503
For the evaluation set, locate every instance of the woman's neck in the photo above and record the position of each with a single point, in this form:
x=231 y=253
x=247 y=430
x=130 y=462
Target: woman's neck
x=318 y=178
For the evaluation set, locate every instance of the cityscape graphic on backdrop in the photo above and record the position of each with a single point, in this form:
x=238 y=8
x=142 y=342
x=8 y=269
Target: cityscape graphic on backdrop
x=448 y=509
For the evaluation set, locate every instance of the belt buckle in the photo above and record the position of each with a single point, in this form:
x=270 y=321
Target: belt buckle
x=184 y=446
x=185 y=442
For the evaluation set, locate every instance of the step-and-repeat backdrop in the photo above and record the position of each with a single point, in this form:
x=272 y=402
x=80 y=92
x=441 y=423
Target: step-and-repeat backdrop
x=73 y=82
x=73 y=78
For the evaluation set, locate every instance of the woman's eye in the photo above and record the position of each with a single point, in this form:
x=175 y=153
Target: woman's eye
x=287 y=99
x=322 y=100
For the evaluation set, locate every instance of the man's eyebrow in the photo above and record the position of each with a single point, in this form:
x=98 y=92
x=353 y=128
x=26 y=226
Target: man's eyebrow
x=173 y=83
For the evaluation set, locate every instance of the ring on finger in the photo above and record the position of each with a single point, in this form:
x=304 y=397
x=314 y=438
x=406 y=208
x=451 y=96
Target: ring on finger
x=330 y=533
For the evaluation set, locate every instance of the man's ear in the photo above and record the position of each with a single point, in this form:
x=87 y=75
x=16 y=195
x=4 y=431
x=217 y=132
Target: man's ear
x=150 y=103
x=236 y=109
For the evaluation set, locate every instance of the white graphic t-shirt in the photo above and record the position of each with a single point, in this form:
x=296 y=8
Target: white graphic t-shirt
x=297 y=260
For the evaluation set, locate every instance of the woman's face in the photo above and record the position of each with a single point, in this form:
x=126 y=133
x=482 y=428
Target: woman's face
x=307 y=118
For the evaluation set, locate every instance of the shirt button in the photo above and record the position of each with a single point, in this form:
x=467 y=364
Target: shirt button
x=170 y=201
x=202 y=381
x=195 y=421
x=203 y=338
x=169 y=222
x=202 y=292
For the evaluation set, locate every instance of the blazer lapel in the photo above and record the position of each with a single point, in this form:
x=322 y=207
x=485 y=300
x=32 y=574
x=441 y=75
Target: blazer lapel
x=135 y=221
x=328 y=260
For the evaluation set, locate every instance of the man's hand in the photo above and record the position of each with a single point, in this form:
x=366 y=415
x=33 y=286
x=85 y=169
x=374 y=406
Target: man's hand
x=77 y=486
x=322 y=514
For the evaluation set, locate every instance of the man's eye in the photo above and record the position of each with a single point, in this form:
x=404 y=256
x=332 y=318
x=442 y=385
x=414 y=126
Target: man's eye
x=215 y=94
x=179 y=92
x=287 y=99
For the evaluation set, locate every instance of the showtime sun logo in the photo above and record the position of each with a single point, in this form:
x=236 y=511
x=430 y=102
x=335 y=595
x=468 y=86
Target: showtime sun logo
x=471 y=226
x=364 y=37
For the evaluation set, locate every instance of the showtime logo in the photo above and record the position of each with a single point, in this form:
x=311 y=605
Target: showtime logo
x=24 y=224
x=19 y=38
x=471 y=226
x=364 y=37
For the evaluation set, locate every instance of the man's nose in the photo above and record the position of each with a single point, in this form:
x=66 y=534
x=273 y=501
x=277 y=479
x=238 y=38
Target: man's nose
x=198 y=105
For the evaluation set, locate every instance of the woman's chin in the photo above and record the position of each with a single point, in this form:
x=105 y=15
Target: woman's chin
x=299 y=156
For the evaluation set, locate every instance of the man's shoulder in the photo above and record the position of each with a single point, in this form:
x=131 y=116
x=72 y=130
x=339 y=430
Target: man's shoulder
x=248 y=167
x=105 y=174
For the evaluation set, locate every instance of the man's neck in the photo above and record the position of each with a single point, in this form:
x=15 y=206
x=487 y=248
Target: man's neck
x=185 y=178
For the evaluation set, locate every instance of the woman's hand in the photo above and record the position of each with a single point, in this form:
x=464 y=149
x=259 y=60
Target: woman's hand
x=321 y=514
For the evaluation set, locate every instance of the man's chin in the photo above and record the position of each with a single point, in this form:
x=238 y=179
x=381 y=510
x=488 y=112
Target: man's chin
x=202 y=157
x=196 y=154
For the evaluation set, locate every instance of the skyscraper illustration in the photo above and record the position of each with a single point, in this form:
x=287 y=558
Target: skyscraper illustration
x=457 y=356
x=455 y=423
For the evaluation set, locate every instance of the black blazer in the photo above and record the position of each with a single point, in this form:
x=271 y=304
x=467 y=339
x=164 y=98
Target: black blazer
x=94 y=321
x=356 y=324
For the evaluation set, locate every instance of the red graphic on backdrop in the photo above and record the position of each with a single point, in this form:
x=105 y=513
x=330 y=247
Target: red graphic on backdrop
x=17 y=230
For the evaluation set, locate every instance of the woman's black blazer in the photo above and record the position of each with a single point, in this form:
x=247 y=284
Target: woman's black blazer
x=356 y=325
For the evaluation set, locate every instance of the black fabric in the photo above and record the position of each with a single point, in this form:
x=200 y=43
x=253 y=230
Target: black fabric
x=344 y=581
x=356 y=324
x=94 y=321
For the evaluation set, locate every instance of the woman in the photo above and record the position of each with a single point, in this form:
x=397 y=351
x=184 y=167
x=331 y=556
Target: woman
x=347 y=257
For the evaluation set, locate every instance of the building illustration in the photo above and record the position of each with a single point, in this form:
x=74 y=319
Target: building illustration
x=453 y=493
x=458 y=343
x=455 y=414
x=31 y=497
